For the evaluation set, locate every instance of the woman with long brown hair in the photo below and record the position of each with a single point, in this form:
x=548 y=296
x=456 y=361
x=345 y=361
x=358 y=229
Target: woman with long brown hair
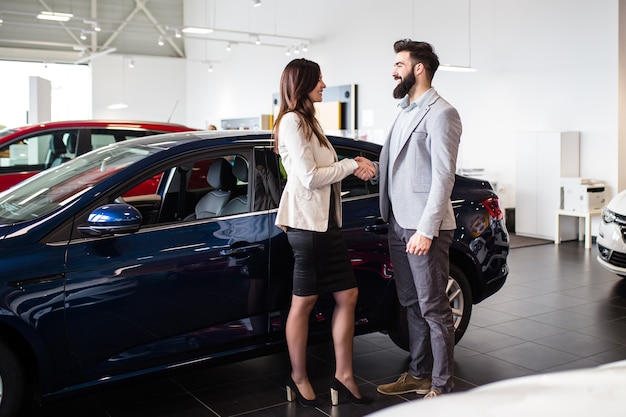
x=310 y=213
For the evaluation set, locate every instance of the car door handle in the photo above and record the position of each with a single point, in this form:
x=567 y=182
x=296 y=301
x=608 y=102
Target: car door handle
x=242 y=251
x=379 y=228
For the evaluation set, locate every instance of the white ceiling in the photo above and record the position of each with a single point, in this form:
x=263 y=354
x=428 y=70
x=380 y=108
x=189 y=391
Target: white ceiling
x=129 y=26
x=133 y=27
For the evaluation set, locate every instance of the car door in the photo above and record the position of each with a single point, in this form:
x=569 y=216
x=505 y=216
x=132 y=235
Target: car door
x=366 y=237
x=179 y=289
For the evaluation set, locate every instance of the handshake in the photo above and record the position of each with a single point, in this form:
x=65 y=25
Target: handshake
x=366 y=170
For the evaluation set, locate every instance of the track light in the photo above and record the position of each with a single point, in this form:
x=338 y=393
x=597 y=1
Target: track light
x=131 y=63
x=296 y=50
x=178 y=34
x=305 y=47
x=256 y=3
x=160 y=42
x=229 y=47
x=57 y=17
x=288 y=52
x=94 y=24
x=258 y=40
x=197 y=31
x=83 y=35
x=210 y=69
x=456 y=68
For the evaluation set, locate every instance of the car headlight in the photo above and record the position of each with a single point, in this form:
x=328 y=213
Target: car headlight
x=608 y=216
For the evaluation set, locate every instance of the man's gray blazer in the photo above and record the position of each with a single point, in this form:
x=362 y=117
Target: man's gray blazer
x=424 y=169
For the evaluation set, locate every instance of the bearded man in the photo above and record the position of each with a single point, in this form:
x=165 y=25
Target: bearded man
x=416 y=172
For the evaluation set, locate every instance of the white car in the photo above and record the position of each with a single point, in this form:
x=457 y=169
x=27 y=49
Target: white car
x=598 y=391
x=612 y=235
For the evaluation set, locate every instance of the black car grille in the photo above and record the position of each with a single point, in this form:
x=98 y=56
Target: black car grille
x=618 y=259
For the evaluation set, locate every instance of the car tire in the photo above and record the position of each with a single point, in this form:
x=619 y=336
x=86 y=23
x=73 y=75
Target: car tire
x=460 y=296
x=11 y=382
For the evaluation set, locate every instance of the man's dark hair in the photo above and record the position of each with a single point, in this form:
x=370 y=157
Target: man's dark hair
x=420 y=52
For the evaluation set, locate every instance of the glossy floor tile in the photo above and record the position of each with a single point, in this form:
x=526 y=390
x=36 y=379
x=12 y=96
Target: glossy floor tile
x=559 y=310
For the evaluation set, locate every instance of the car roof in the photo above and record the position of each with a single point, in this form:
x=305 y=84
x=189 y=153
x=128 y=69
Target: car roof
x=219 y=137
x=116 y=124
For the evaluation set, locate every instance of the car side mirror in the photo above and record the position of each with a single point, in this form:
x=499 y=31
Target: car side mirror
x=112 y=219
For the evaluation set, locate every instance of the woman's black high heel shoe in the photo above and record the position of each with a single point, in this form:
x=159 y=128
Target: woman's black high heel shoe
x=293 y=393
x=337 y=387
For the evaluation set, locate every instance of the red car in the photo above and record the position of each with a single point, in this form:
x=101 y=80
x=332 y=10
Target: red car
x=27 y=150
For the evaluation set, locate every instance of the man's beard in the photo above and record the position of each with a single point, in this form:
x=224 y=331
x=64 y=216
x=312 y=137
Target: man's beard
x=405 y=85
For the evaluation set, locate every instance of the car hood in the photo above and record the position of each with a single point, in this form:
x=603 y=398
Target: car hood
x=618 y=203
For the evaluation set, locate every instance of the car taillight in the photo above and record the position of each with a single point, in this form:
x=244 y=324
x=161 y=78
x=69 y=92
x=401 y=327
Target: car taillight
x=493 y=207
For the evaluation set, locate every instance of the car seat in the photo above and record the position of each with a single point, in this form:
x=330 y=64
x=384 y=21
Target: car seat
x=238 y=204
x=221 y=178
x=56 y=152
x=72 y=141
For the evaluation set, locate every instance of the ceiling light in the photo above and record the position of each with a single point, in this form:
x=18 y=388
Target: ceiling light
x=197 y=31
x=296 y=50
x=288 y=52
x=305 y=47
x=468 y=67
x=210 y=69
x=58 y=17
x=131 y=63
x=160 y=42
x=83 y=35
x=229 y=47
x=117 y=106
x=1 y=21
x=256 y=3
x=456 y=68
x=178 y=34
x=258 y=40
x=94 y=24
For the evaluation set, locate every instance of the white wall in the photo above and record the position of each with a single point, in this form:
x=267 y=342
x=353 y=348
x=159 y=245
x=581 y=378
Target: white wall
x=543 y=66
x=70 y=95
x=154 y=90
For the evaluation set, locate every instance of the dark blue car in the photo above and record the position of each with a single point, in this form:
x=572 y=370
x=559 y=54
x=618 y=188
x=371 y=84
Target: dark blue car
x=159 y=252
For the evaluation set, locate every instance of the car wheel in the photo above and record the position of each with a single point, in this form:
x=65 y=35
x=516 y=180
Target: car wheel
x=461 y=300
x=11 y=382
x=460 y=296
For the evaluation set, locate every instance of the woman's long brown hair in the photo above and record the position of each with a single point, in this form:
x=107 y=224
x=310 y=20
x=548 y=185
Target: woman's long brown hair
x=299 y=78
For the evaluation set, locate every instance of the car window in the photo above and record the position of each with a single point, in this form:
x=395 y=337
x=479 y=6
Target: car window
x=352 y=186
x=104 y=137
x=60 y=185
x=269 y=181
x=202 y=187
x=40 y=151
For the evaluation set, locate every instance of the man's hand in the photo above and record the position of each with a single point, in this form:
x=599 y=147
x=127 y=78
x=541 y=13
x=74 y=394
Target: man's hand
x=418 y=244
x=366 y=170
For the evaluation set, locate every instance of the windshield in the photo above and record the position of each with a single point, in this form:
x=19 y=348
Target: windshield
x=6 y=131
x=56 y=187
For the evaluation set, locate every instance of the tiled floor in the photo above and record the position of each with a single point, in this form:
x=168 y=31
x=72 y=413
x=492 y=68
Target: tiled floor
x=558 y=310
